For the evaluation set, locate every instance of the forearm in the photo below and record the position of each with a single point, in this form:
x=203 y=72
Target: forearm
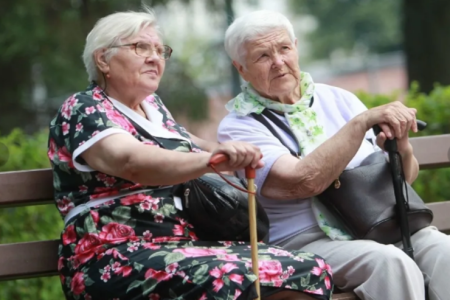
x=313 y=174
x=165 y=167
x=410 y=166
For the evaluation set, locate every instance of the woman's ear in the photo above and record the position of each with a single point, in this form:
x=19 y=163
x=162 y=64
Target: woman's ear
x=240 y=69
x=100 y=61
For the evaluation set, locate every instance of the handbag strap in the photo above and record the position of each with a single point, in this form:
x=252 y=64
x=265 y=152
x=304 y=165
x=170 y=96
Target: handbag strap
x=280 y=124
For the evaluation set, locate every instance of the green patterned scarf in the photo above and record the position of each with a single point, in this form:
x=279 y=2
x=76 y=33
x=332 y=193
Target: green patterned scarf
x=301 y=117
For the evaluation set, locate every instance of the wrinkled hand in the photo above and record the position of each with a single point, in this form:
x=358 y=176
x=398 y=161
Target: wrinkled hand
x=395 y=121
x=240 y=154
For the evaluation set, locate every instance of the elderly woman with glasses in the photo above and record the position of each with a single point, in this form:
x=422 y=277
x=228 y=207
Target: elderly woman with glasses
x=115 y=152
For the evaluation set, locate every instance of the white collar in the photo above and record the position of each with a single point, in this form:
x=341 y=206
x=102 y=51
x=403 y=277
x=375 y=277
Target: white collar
x=153 y=127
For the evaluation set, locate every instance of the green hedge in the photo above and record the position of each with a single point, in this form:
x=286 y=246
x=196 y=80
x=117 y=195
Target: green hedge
x=43 y=222
x=434 y=108
x=31 y=223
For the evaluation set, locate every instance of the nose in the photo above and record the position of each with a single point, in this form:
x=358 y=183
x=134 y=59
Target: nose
x=278 y=61
x=153 y=57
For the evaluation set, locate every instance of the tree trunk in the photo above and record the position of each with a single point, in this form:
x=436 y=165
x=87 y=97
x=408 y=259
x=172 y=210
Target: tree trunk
x=427 y=42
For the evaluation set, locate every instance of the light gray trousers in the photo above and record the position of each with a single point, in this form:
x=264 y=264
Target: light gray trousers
x=375 y=271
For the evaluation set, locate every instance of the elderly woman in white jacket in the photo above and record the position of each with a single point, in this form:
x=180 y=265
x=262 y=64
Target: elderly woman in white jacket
x=331 y=128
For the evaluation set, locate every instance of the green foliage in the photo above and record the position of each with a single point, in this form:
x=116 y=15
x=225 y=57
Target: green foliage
x=344 y=24
x=432 y=108
x=31 y=223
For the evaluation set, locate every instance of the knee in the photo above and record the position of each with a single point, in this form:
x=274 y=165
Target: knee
x=393 y=261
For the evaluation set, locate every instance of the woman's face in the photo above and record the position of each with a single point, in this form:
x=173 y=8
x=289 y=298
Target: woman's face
x=271 y=64
x=140 y=74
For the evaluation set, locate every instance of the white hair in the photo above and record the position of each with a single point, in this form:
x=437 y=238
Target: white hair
x=249 y=27
x=111 y=29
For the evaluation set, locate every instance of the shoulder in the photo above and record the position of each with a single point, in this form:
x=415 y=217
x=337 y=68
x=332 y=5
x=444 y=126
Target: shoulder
x=239 y=123
x=329 y=90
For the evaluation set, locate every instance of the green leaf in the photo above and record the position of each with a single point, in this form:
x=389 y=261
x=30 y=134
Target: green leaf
x=226 y=281
x=304 y=281
x=86 y=176
x=76 y=134
x=159 y=253
x=89 y=225
x=201 y=271
x=172 y=294
x=122 y=214
x=106 y=220
x=131 y=222
x=88 y=281
x=148 y=286
x=56 y=181
x=134 y=284
x=80 y=230
x=138 y=266
x=80 y=117
x=294 y=286
x=173 y=257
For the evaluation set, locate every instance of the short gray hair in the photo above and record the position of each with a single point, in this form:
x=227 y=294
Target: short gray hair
x=111 y=29
x=248 y=27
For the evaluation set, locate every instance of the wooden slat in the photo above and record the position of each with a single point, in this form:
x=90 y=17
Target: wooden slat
x=441 y=211
x=432 y=151
x=26 y=187
x=31 y=259
x=345 y=296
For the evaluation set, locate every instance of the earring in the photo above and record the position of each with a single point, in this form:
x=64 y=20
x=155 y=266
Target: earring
x=107 y=75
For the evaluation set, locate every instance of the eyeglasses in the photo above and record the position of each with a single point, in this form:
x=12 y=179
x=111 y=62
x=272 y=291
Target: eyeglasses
x=146 y=50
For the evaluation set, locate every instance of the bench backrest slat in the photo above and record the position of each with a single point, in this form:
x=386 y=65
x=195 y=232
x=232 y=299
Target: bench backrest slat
x=26 y=188
x=432 y=151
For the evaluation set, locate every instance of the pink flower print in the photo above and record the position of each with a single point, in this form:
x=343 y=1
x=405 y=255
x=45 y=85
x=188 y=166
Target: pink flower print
x=125 y=271
x=78 y=127
x=219 y=273
x=95 y=133
x=151 y=246
x=51 y=149
x=170 y=129
x=227 y=243
x=279 y=252
x=87 y=297
x=65 y=128
x=170 y=123
x=103 y=192
x=109 y=181
x=65 y=156
x=72 y=101
x=89 y=110
x=327 y=282
x=115 y=265
x=66 y=111
x=193 y=236
x=158 y=275
x=69 y=236
x=60 y=263
x=159 y=218
x=132 y=248
x=108 y=268
x=147 y=235
x=117 y=233
x=270 y=271
x=100 y=108
x=105 y=276
x=83 y=188
x=77 y=284
x=290 y=270
x=101 y=176
x=64 y=205
x=198 y=252
x=237 y=293
x=315 y=292
x=178 y=230
x=121 y=121
x=172 y=268
x=97 y=95
x=115 y=254
x=150 y=203
x=323 y=267
x=203 y=297
x=232 y=257
x=153 y=296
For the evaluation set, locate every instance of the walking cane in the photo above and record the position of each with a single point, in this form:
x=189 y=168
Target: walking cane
x=402 y=205
x=250 y=174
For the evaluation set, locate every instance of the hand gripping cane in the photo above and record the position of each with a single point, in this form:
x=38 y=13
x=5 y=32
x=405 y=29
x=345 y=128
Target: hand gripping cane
x=250 y=175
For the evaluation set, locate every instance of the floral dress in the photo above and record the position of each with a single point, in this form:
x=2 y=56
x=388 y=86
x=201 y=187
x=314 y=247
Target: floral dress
x=138 y=245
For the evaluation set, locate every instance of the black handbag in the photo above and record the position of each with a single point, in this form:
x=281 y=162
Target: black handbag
x=363 y=199
x=219 y=211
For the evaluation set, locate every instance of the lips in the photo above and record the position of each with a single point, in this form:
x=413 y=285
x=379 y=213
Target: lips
x=151 y=72
x=279 y=76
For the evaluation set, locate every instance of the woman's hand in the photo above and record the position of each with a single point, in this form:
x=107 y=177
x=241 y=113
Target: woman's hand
x=395 y=121
x=240 y=155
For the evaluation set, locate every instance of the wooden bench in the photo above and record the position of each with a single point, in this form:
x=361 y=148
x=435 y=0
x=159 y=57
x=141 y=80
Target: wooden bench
x=39 y=258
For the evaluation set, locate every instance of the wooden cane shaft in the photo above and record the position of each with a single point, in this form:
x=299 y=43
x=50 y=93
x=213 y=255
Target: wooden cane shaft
x=253 y=233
